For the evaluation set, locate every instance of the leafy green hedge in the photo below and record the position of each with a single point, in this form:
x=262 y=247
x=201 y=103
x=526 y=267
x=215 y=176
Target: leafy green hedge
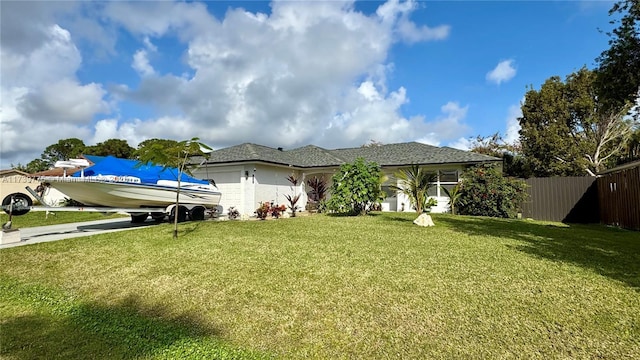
x=484 y=191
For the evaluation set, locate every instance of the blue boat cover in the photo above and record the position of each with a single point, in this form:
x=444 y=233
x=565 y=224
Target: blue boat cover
x=148 y=173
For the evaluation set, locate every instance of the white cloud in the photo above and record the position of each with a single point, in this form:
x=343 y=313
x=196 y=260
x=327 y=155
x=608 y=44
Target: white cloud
x=512 y=133
x=448 y=126
x=396 y=13
x=64 y=101
x=42 y=101
x=503 y=72
x=307 y=72
x=149 y=45
x=141 y=63
x=461 y=144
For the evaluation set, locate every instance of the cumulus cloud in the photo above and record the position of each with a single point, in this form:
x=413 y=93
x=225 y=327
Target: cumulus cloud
x=41 y=95
x=462 y=144
x=448 y=126
x=512 y=132
x=307 y=72
x=396 y=13
x=141 y=63
x=503 y=72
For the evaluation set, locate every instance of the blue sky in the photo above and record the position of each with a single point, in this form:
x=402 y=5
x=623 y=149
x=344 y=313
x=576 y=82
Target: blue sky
x=329 y=73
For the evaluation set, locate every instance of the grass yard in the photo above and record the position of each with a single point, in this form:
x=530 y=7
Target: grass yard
x=327 y=288
x=41 y=218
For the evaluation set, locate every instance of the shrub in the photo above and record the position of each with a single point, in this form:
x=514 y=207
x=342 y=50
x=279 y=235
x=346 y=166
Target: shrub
x=485 y=192
x=265 y=209
x=262 y=211
x=293 y=199
x=317 y=194
x=355 y=188
x=414 y=182
x=233 y=213
x=277 y=210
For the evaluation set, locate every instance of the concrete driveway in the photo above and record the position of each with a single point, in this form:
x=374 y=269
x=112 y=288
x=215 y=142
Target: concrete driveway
x=34 y=235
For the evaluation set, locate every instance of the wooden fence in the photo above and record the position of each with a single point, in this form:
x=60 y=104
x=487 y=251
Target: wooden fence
x=566 y=199
x=619 y=197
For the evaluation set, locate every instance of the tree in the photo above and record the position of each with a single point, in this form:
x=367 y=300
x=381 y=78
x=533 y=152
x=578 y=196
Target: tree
x=372 y=143
x=485 y=192
x=114 y=147
x=414 y=183
x=177 y=157
x=566 y=131
x=611 y=133
x=154 y=145
x=355 y=188
x=513 y=162
x=618 y=74
x=454 y=197
x=33 y=166
x=63 y=150
x=630 y=151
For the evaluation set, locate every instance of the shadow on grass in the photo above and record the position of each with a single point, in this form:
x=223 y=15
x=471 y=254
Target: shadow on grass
x=611 y=252
x=65 y=329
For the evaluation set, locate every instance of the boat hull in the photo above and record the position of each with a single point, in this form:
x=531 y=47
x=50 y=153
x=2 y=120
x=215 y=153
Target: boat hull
x=131 y=195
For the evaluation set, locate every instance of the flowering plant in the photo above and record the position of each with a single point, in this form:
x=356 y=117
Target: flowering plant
x=265 y=209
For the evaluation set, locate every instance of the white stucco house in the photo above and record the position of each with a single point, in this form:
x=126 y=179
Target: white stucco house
x=248 y=174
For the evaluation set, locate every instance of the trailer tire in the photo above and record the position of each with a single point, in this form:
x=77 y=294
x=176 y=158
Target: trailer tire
x=20 y=201
x=197 y=213
x=139 y=218
x=182 y=214
x=158 y=216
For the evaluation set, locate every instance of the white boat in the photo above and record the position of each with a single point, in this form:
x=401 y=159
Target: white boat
x=126 y=192
x=123 y=183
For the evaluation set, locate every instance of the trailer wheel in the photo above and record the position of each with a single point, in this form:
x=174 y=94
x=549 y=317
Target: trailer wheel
x=21 y=204
x=139 y=218
x=182 y=214
x=158 y=216
x=197 y=213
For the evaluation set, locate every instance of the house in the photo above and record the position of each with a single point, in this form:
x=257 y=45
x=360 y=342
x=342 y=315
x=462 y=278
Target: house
x=16 y=181
x=248 y=174
x=13 y=181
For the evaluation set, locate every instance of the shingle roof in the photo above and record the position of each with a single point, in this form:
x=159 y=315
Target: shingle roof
x=314 y=156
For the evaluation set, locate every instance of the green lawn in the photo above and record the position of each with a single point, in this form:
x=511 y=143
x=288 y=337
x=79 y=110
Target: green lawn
x=41 y=218
x=327 y=287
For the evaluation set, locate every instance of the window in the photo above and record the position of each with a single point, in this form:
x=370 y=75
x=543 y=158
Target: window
x=448 y=176
x=388 y=191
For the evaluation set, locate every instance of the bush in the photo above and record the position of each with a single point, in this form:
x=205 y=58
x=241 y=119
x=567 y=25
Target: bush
x=355 y=188
x=485 y=192
x=233 y=213
x=263 y=210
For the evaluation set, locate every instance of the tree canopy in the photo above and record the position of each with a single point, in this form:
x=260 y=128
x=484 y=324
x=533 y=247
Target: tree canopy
x=114 y=147
x=618 y=73
x=567 y=131
x=513 y=162
x=355 y=188
x=64 y=149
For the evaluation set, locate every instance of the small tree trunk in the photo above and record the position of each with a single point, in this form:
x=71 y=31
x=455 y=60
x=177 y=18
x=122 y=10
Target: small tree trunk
x=176 y=211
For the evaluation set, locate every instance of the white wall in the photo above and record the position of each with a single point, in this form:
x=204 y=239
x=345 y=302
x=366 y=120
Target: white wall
x=272 y=186
x=17 y=183
x=245 y=186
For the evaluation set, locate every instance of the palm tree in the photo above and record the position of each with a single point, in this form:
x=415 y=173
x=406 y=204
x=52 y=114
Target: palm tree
x=414 y=183
x=454 y=196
